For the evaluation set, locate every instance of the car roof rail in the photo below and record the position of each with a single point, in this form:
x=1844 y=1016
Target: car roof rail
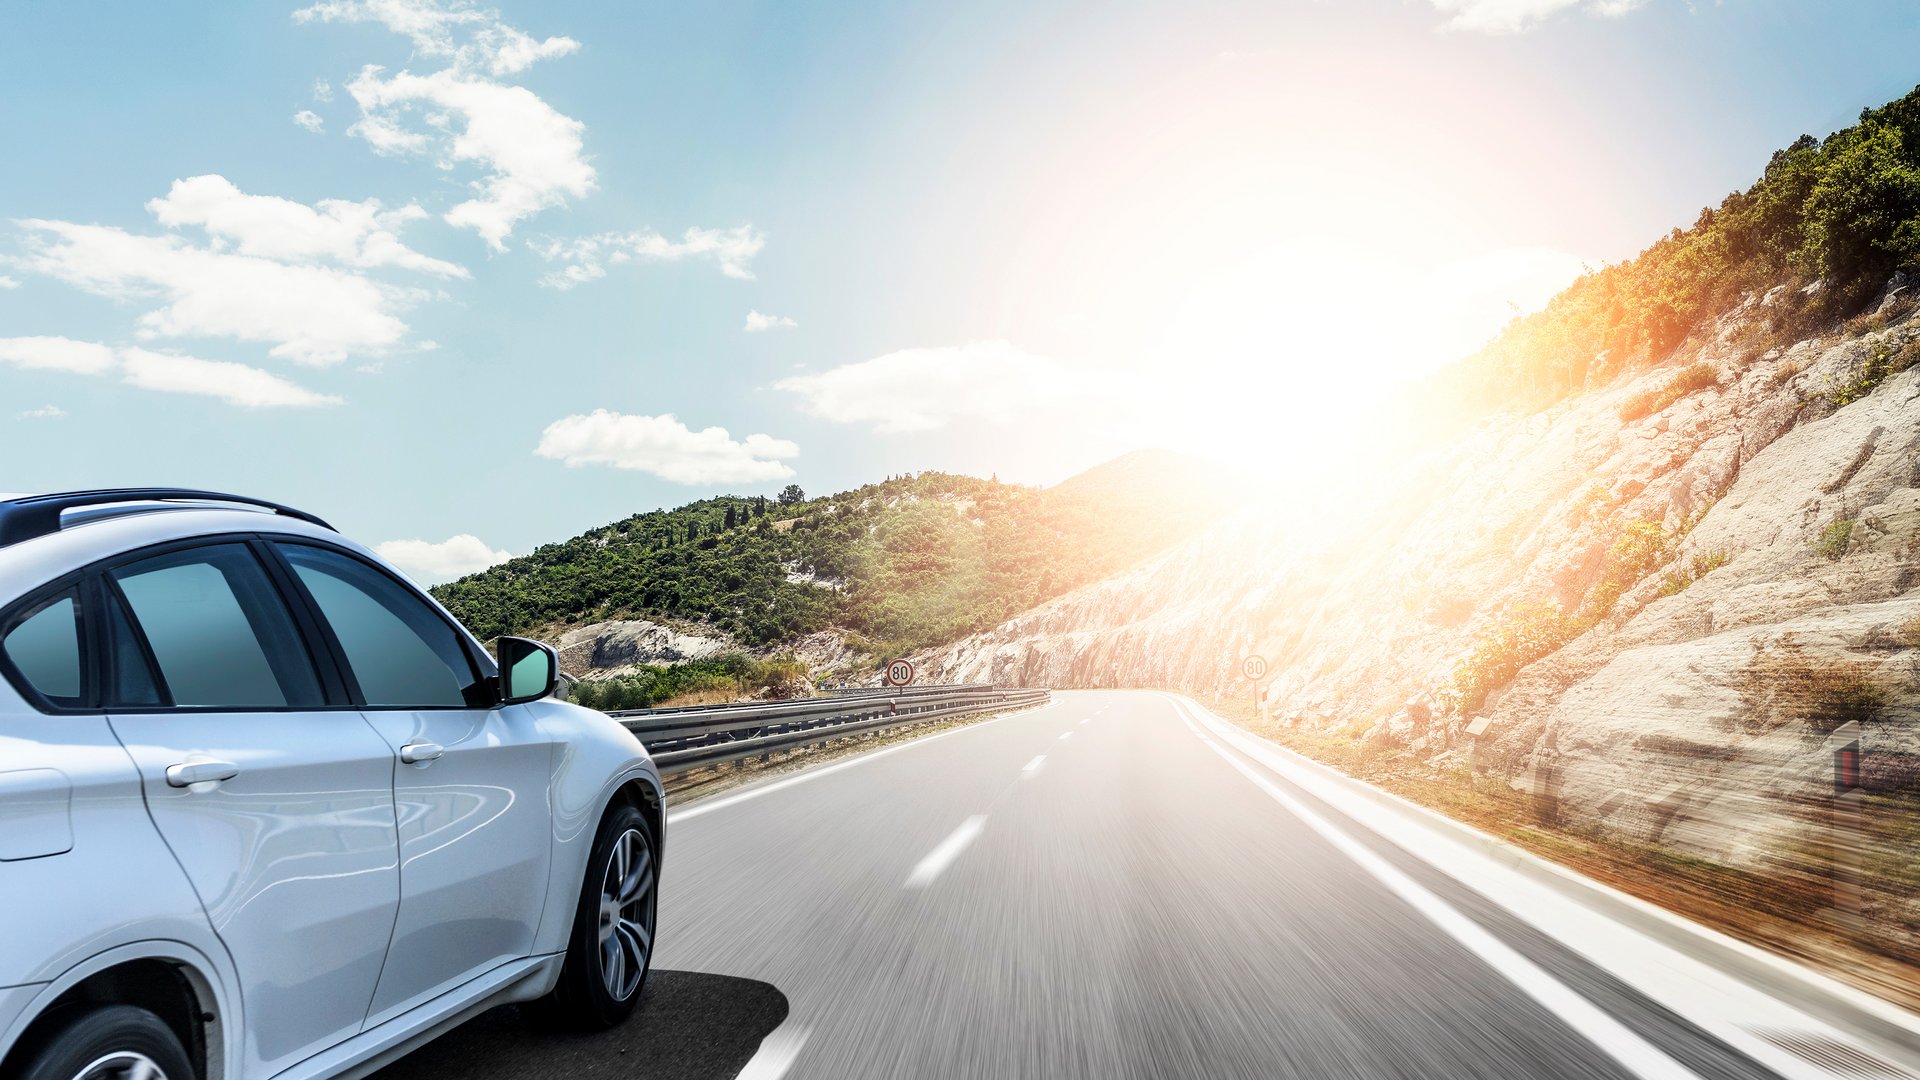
x=30 y=516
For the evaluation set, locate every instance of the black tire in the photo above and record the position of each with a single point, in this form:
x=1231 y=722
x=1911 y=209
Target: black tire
x=102 y=1043
x=587 y=996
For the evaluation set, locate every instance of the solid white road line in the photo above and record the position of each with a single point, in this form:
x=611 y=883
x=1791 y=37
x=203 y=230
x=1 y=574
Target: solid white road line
x=1033 y=767
x=694 y=811
x=1720 y=1003
x=1613 y=1038
x=945 y=852
x=776 y=1054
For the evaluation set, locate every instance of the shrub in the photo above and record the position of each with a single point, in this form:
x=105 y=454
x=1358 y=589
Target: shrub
x=1834 y=540
x=1640 y=547
x=1677 y=580
x=1785 y=685
x=736 y=675
x=1885 y=359
x=1687 y=380
x=1523 y=634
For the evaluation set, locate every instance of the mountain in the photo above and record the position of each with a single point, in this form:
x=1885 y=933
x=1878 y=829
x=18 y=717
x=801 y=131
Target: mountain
x=1668 y=546
x=909 y=562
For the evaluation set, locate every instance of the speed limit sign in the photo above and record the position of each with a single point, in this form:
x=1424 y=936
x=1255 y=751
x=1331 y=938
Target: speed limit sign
x=1254 y=667
x=899 y=672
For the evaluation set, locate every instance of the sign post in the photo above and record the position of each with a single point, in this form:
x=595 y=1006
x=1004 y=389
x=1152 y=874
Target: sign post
x=1254 y=667
x=899 y=672
x=1848 y=796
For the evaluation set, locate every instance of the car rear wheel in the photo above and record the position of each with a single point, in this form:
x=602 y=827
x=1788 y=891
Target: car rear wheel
x=117 y=1042
x=611 y=950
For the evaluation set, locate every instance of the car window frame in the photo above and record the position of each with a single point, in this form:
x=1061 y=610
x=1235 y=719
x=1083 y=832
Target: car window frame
x=484 y=672
x=86 y=602
x=332 y=688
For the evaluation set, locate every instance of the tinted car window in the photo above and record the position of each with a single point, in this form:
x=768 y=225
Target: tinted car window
x=133 y=682
x=218 y=630
x=44 y=647
x=401 y=652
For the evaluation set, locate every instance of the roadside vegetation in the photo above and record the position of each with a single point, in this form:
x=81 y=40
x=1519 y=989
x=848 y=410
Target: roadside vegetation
x=694 y=682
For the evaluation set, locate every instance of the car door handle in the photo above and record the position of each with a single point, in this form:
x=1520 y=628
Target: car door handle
x=420 y=753
x=188 y=773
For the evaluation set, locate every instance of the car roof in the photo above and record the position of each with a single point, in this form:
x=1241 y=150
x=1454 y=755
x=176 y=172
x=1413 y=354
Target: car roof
x=91 y=535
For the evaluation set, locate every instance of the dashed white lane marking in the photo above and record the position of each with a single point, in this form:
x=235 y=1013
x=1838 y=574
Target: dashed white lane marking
x=1033 y=767
x=1065 y=735
x=1609 y=1035
x=676 y=816
x=1083 y=723
x=945 y=852
x=776 y=1054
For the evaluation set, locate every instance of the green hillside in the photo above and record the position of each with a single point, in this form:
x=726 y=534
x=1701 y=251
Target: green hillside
x=1832 y=219
x=912 y=561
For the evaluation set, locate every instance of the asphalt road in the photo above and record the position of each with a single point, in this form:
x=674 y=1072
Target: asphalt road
x=1089 y=889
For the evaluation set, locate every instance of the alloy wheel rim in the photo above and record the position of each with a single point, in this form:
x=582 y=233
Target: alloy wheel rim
x=122 y=1065
x=626 y=914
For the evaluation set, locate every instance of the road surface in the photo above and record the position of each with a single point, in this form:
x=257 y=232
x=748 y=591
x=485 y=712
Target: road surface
x=1095 y=888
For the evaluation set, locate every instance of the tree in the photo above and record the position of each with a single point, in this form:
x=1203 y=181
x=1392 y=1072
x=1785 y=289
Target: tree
x=760 y=507
x=792 y=495
x=732 y=518
x=1861 y=213
x=693 y=530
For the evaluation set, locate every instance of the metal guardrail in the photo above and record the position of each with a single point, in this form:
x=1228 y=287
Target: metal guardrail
x=696 y=736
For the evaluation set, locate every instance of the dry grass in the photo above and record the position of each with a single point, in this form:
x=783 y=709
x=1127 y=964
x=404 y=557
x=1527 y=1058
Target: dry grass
x=1690 y=379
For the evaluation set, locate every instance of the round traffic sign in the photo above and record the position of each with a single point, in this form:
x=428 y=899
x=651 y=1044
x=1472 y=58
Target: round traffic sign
x=1254 y=667
x=899 y=672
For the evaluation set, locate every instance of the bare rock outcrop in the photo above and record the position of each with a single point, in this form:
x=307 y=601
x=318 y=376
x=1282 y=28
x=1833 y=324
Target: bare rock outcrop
x=1698 y=570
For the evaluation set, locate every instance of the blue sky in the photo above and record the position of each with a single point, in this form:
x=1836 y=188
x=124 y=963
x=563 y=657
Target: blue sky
x=442 y=271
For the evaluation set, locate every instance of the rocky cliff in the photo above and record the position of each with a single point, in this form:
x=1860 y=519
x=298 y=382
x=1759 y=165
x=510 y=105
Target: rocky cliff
x=1654 y=623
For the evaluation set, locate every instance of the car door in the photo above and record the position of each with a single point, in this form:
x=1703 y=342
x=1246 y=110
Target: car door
x=274 y=794
x=470 y=780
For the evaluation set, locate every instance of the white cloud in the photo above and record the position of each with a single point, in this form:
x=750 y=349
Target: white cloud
x=310 y=120
x=236 y=384
x=437 y=30
x=924 y=389
x=531 y=152
x=56 y=354
x=584 y=259
x=309 y=314
x=44 y=412
x=1515 y=16
x=358 y=234
x=759 y=321
x=454 y=557
x=665 y=447
x=322 y=91
x=8 y=283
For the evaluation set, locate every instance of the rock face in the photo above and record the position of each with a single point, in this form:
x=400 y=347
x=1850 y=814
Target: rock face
x=1725 y=581
x=605 y=649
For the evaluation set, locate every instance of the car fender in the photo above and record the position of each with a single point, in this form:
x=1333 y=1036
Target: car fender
x=594 y=757
x=202 y=960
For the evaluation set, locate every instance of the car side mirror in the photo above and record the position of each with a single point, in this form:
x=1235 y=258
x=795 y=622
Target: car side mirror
x=529 y=670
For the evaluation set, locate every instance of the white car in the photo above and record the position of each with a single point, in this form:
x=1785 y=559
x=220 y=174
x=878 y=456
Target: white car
x=267 y=810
